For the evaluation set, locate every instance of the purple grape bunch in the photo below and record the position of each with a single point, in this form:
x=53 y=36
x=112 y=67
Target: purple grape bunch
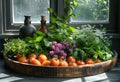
x=60 y=49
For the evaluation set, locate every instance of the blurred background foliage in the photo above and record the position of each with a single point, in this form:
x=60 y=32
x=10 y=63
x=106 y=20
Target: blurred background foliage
x=92 y=10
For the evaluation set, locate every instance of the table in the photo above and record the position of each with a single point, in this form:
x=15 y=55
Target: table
x=7 y=75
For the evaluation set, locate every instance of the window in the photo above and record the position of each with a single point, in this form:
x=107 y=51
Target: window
x=13 y=12
x=90 y=11
x=33 y=8
x=98 y=12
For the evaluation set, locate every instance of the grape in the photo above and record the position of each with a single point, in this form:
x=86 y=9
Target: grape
x=55 y=56
x=64 y=54
x=61 y=49
x=54 y=43
x=57 y=50
x=63 y=46
x=70 y=50
x=59 y=45
x=52 y=53
x=52 y=47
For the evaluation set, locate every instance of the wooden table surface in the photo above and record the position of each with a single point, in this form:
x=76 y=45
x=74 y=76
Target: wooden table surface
x=7 y=75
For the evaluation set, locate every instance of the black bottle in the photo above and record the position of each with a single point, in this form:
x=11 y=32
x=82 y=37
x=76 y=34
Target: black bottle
x=27 y=29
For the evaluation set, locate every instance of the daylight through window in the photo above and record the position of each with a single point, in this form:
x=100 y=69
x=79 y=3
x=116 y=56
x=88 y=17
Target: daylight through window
x=33 y=8
x=91 y=11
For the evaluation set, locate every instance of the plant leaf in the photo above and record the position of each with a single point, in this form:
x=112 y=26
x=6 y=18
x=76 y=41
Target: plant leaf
x=47 y=43
x=50 y=10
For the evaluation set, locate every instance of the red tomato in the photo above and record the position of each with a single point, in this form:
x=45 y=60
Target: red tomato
x=98 y=61
x=32 y=56
x=63 y=63
x=42 y=57
x=79 y=62
x=89 y=61
x=46 y=63
x=72 y=64
x=22 y=59
x=54 y=62
x=35 y=62
x=61 y=58
x=70 y=59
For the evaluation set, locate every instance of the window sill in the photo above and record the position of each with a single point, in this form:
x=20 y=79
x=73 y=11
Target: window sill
x=11 y=35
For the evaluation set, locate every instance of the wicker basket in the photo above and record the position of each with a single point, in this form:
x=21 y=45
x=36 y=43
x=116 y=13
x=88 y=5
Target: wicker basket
x=50 y=71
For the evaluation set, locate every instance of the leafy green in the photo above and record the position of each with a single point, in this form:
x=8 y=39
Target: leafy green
x=15 y=46
x=92 y=42
x=34 y=43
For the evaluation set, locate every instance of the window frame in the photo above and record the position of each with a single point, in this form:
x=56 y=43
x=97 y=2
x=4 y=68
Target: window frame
x=58 y=5
x=1 y=17
x=7 y=27
x=111 y=25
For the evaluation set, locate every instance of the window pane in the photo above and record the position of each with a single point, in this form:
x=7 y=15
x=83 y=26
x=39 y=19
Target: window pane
x=34 y=8
x=91 y=11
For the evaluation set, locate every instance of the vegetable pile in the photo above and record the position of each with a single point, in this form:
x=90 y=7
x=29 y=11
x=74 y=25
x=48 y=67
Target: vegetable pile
x=63 y=47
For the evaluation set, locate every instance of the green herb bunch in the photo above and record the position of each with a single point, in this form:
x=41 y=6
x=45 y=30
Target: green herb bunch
x=15 y=46
x=92 y=43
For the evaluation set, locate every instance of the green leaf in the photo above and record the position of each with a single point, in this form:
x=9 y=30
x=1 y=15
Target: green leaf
x=75 y=3
x=75 y=54
x=47 y=43
x=108 y=56
x=38 y=39
x=72 y=15
x=95 y=56
x=37 y=46
x=72 y=29
x=50 y=10
x=53 y=20
x=100 y=53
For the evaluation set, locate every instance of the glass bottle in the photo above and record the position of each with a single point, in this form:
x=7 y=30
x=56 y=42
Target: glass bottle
x=27 y=29
x=43 y=27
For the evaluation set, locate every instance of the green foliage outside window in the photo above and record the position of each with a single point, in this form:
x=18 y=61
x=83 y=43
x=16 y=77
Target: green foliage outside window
x=92 y=10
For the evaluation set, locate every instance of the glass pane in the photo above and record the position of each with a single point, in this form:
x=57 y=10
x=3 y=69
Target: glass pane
x=91 y=11
x=33 y=8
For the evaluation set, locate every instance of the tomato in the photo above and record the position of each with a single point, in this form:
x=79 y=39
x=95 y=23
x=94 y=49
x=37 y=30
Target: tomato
x=72 y=64
x=18 y=56
x=42 y=57
x=54 y=62
x=35 y=62
x=46 y=63
x=31 y=56
x=22 y=59
x=79 y=62
x=98 y=61
x=63 y=63
x=89 y=61
x=61 y=58
x=71 y=59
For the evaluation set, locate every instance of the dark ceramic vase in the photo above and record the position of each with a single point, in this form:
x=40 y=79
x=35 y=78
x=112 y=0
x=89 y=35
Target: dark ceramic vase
x=27 y=29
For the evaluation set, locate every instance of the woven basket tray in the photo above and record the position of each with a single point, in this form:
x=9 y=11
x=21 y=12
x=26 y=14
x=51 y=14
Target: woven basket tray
x=50 y=71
